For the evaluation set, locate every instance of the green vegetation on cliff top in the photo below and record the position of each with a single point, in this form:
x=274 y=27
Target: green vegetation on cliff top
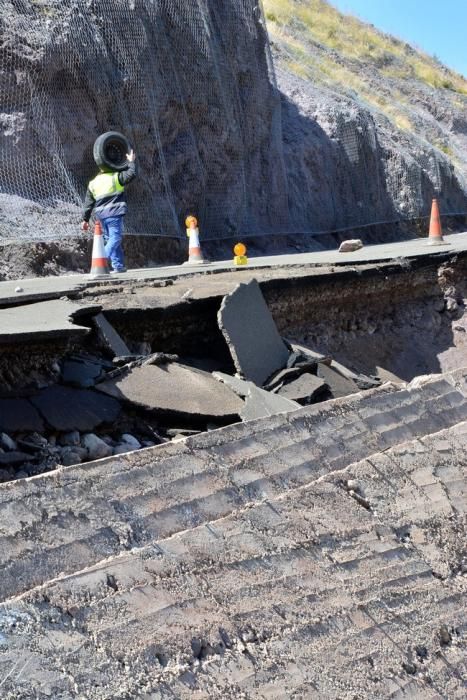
x=300 y=25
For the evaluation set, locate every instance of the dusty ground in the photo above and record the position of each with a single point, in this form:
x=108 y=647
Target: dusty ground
x=319 y=554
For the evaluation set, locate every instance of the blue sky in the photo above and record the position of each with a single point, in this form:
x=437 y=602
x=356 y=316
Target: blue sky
x=438 y=27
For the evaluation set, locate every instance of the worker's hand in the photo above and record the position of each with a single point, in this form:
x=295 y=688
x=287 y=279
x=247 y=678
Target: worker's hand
x=131 y=156
x=85 y=226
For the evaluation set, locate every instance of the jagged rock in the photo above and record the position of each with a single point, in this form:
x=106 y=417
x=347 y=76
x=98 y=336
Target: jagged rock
x=95 y=447
x=7 y=443
x=251 y=334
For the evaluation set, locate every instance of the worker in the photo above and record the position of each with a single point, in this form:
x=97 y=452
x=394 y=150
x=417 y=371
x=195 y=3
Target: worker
x=106 y=193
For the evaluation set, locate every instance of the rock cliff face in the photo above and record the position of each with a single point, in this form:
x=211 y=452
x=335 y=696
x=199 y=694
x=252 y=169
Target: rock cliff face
x=336 y=142
x=188 y=82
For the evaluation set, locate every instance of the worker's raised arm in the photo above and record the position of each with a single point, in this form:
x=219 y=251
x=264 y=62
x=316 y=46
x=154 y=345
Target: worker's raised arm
x=126 y=176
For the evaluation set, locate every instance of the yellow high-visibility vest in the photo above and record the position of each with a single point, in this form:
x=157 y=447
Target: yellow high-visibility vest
x=105 y=185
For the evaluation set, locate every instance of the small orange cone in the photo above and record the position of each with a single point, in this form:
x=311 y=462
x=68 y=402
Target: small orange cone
x=435 y=235
x=100 y=264
x=195 y=257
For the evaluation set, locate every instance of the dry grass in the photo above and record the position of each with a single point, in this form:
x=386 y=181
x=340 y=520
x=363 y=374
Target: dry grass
x=316 y=21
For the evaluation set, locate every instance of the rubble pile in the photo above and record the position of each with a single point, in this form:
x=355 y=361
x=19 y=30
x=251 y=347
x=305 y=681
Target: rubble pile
x=110 y=401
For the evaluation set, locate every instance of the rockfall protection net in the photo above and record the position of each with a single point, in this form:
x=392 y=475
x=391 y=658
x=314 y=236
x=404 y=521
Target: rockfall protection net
x=192 y=84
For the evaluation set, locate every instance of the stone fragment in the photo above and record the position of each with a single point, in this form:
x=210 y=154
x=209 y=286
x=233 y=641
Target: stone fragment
x=306 y=389
x=175 y=390
x=19 y=415
x=251 y=334
x=72 y=438
x=260 y=404
x=339 y=385
x=66 y=409
x=72 y=455
x=95 y=447
x=350 y=246
x=110 y=337
x=7 y=443
x=130 y=440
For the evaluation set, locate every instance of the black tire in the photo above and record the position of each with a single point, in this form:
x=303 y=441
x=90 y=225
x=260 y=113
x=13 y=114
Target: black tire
x=110 y=151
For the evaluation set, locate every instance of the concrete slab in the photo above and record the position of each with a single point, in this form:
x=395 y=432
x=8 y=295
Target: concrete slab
x=260 y=404
x=254 y=342
x=66 y=409
x=43 y=321
x=239 y=386
x=339 y=385
x=175 y=390
x=18 y=415
x=305 y=389
x=290 y=373
x=110 y=337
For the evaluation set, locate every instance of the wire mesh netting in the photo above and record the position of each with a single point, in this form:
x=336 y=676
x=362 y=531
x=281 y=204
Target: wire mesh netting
x=193 y=86
x=189 y=83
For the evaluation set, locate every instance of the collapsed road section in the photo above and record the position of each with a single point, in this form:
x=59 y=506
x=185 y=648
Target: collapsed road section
x=237 y=485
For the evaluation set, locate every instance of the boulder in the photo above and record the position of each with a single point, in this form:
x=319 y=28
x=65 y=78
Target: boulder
x=350 y=246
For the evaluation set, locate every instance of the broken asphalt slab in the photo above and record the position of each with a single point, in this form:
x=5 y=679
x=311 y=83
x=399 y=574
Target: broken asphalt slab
x=251 y=334
x=66 y=409
x=339 y=385
x=175 y=390
x=110 y=337
x=18 y=415
x=46 y=320
x=307 y=388
x=261 y=404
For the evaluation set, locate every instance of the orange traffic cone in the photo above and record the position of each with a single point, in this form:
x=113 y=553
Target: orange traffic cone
x=195 y=257
x=100 y=264
x=435 y=236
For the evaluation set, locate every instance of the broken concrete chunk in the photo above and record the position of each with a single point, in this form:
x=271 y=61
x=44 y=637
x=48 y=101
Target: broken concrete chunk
x=66 y=409
x=305 y=389
x=110 y=337
x=339 y=385
x=251 y=333
x=287 y=375
x=260 y=404
x=302 y=351
x=19 y=415
x=239 y=386
x=350 y=246
x=175 y=390
x=46 y=320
